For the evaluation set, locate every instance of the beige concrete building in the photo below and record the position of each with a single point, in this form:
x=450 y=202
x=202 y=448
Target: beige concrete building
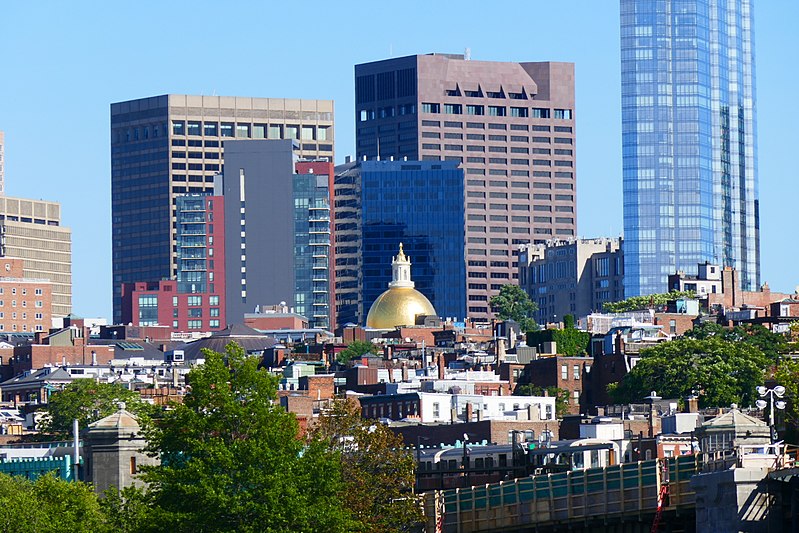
x=511 y=126
x=2 y=163
x=31 y=230
x=169 y=145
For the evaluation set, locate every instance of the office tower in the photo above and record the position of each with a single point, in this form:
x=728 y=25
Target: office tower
x=511 y=128
x=31 y=230
x=2 y=163
x=166 y=146
x=572 y=277
x=418 y=204
x=195 y=300
x=689 y=140
x=347 y=244
x=277 y=225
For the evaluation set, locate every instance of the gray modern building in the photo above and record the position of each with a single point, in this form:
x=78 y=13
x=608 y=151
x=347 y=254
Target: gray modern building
x=347 y=237
x=169 y=145
x=277 y=230
x=689 y=140
x=574 y=276
x=510 y=127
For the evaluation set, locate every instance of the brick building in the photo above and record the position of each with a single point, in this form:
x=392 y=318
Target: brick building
x=567 y=373
x=25 y=303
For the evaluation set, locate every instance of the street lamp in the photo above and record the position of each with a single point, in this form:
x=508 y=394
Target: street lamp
x=779 y=392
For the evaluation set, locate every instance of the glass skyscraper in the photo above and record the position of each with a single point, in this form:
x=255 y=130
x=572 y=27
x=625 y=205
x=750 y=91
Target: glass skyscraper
x=689 y=140
x=419 y=204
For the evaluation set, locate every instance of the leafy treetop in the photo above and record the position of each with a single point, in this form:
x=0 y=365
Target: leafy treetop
x=512 y=303
x=636 y=303
x=355 y=350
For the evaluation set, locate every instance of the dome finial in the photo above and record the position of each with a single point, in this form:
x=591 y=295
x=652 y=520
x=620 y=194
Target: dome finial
x=401 y=254
x=401 y=270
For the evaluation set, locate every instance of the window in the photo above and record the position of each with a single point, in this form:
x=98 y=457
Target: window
x=576 y=371
x=178 y=127
x=195 y=324
x=431 y=108
x=436 y=410
x=227 y=129
x=213 y=300
x=195 y=300
x=195 y=128
x=518 y=111
x=474 y=110
x=563 y=114
x=564 y=372
x=38 y=292
x=452 y=109
x=496 y=111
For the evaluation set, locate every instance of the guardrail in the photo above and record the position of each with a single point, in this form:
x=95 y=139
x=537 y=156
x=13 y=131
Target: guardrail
x=613 y=492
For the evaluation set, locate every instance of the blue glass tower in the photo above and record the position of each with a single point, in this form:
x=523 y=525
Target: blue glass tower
x=419 y=204
x=688 y=126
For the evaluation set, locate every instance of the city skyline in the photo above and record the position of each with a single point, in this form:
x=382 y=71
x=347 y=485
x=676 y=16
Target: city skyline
x=55 y=116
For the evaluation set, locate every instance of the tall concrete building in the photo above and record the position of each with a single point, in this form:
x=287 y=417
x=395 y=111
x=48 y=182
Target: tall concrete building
x=166 y=146
x=572 y=277
x=511 y=128
x=689 y=140
x=31 y=230
x=2 y=163
x=277 y=230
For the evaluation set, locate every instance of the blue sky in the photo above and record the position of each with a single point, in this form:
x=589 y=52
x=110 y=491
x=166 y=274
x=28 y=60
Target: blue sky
x=63 y=63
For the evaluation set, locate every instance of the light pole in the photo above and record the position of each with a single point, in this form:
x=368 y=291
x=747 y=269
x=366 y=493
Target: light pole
x=779 y=392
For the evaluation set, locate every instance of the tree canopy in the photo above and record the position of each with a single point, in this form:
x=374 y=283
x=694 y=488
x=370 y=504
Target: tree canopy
x=88 y=401
x=378 y=471
x=636 y=303
x=720 y=372
x=48 y=505
x=232 y=460
x=355 y=350
x=512 y=303
x=770 y=343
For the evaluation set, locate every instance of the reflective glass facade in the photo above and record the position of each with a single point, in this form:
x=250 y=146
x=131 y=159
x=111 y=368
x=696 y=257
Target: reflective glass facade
x=312 y=248
x=688 y=125
x=419 y=204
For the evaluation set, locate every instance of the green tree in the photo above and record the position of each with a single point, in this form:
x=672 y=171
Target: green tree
x=355 y=350
x=636 y=303
x=561 y=396
x=233 y=460
x=378 y=471
x=787 y=375
x=570 y=341
x=48 y=504
x=720 y=372
x=87 y=400
x=771 y=344
x=512 y=303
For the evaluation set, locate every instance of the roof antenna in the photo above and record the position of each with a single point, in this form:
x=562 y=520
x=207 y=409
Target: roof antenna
x=467 y=54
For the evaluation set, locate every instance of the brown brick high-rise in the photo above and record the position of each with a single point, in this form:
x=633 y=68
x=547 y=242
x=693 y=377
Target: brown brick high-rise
x=510 y=126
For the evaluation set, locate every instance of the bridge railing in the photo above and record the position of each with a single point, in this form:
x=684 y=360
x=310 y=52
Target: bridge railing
x=595 y=493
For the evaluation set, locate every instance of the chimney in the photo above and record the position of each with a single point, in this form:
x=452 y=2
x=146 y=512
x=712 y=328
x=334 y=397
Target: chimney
x=441 y=366
x=453 y=413
x=348 y=159
x=692 y=404
x=469 y=412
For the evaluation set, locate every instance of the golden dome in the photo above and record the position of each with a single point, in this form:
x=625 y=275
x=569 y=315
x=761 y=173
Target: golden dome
x=398 y=306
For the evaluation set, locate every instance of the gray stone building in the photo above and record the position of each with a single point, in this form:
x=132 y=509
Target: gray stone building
x=574 y=276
